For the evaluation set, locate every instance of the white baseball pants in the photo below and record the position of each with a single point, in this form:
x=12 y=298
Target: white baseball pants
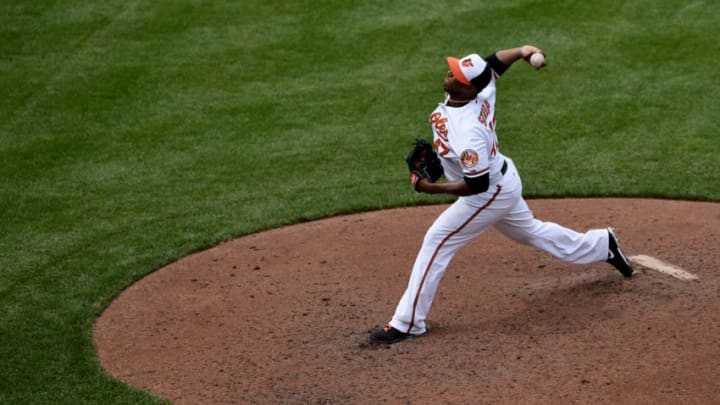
x=504 y=208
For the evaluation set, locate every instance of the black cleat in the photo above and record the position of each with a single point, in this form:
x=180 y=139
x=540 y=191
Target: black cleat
x=387 y=335
x=616 y=256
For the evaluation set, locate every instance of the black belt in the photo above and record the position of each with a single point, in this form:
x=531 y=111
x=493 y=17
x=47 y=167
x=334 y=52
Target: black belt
x=504 y=167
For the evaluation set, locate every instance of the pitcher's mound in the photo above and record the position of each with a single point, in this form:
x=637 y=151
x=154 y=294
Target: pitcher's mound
x=283 y=316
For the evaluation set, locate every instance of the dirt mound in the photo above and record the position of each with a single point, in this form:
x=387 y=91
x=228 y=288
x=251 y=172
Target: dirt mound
x=283 y=316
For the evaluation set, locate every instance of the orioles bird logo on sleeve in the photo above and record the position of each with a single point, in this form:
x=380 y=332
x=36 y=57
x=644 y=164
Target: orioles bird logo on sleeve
x=469 y=158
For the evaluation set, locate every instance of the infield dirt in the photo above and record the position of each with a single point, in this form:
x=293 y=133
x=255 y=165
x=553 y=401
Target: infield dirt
x=283 y=316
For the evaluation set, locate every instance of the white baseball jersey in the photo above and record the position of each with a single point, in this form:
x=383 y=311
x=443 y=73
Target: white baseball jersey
x=465 y=138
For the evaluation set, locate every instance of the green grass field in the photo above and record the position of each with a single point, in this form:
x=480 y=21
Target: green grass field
x=134 y=133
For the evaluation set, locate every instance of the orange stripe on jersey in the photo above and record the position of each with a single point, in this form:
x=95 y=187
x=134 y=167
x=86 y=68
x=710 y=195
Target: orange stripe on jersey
x=477 y=173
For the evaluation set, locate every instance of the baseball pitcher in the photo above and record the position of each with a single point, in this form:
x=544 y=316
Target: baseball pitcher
x=467 y=153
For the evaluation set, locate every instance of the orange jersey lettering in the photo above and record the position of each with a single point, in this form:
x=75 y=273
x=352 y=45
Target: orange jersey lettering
x=439 y=123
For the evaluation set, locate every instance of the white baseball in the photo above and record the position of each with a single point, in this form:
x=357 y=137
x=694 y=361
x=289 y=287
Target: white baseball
x=537 y=59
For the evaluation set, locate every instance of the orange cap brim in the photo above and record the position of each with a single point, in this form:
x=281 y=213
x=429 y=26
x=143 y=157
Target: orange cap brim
x=454 y=64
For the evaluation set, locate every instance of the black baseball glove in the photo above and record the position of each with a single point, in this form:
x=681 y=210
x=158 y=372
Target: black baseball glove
x=423 y=162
